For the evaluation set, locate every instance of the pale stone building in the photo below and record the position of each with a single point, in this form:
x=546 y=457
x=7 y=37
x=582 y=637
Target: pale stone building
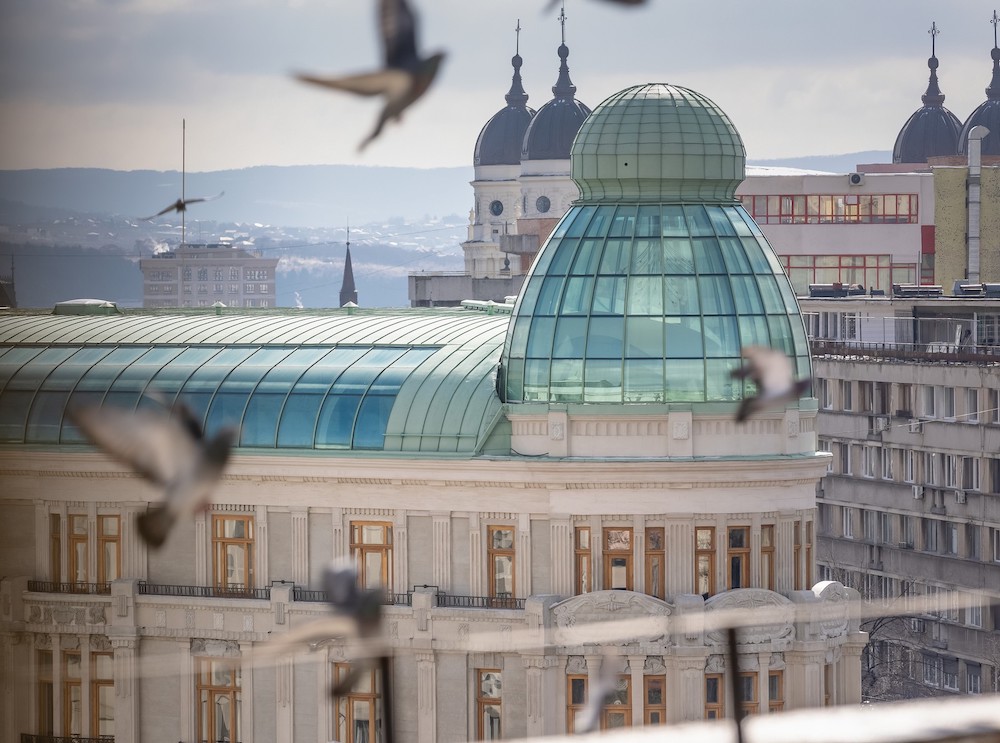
x=509 y=476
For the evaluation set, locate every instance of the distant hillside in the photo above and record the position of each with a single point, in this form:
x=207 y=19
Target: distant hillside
x=300 y=196
x=846 y=163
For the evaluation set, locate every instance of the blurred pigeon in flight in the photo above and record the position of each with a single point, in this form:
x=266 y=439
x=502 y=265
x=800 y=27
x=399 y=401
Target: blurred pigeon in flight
x=554 y=3
x=169 y=450
x=405 y=77
x=771 y=371
x=362 y=606
x=181 y=205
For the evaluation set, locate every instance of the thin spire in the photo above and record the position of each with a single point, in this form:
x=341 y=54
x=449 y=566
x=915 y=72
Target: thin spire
x=933 y=96
x=993 y=91
x=516 y=95
x=348 y=291
x=564 y=87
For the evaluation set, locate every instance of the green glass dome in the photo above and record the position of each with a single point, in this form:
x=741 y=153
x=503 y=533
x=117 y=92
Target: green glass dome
x=648 y=296
x=658 y=142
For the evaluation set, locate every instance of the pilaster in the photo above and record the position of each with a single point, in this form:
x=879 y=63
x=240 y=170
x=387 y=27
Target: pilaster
x=261 y=562
x=680 y=558
x=300 y=546
x=426 y=697
x=561 y=556
x=475 y=556
x=522 y=578
x=400 y=554
x=441 y=550
x=636 y=663
x=201 y=539
x=126 y=689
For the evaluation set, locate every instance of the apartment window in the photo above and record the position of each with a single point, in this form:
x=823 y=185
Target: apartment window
x=500 y=557
x=884 y=527
x=866 y=395
x=655 y=711
x=846 y=398
x=217 y=274
x=974 y=611
x=219 y=699
x=488 y=704
x=233 y=289
x=973 y=679
x=869 y=525
x=869 y=461
x=234 y=274
x=993 y=465
x=845 y=458
x=44 y=693
x=617 y=712
x=948 y=402
x=655 y=562
x=823 y=393
x=738 y=556
x=882 y=390
x=927 y=393
x=371 y=548
x=930 y=528
x=904 y=399
x=993 y=407
x=767 y=556
x=232 y=552
x=78 y=548
x=583 y=558
x=72 y=678
x=949 y=674
x=797 y=555
x=775 y=691
x=202 y=274
x=704 y=560
x=995 y=543
x=618 y=558
x=950 y=471
x=887 y=457
x=576 y=699
x=847 y=522
x=109 y=557
x=970 y=473
x=972 y=541
x=746 y=690
x=908 y=524
x=102 y=694
x=950 y=538
x=715 y=706
x=909 y=466
x=972 y=406
x=359 y=710
x=824 y=445
x=55 y=547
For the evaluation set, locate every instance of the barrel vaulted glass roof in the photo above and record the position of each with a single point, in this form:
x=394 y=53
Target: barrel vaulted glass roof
x=421 y=382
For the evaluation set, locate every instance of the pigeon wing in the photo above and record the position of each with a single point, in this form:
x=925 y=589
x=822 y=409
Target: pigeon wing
x=383 y=82
x=156 y=446
x=205 y=198
x=164 y=210
x=770 y=369
x=398 y=27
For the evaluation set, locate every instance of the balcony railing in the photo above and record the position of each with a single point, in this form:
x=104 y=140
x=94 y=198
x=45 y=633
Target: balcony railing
x=233 y=591
x=305 y=594
x=479 y=602
x=31 y=738
x=49 y=586
x=907 y=351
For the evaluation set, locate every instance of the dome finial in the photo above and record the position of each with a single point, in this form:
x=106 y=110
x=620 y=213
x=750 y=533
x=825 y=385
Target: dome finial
x=993 y=91
x=516 y=95
x=564 y=87
x=933 y=96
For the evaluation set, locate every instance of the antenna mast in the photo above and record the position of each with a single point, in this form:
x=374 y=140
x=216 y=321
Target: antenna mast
x=183 y=176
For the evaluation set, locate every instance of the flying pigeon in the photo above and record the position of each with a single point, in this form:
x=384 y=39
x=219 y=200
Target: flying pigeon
x=405 y=77
x=771 y=371
x=554 y=3
x=168 y=449
x=181 y=205
x=362 y=606
x=588 y=719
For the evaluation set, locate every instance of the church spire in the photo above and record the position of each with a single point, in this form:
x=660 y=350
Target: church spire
x=516 y=95
x=993 y=91
x=564 y=87
x=348 y=292
x=933 y=96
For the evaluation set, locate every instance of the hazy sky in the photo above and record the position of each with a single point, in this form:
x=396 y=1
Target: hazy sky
x=106 y=83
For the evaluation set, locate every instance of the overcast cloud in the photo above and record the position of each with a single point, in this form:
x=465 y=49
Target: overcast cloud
x=105 y=83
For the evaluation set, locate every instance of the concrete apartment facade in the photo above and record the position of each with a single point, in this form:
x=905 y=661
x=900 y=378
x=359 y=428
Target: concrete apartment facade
x=202 y=275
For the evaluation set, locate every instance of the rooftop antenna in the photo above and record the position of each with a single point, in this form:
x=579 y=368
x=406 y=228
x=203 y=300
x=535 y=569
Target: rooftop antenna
x=562 y=20
x=183 y=177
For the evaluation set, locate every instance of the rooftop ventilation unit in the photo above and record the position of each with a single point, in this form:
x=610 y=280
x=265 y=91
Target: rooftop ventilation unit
x=855 y=179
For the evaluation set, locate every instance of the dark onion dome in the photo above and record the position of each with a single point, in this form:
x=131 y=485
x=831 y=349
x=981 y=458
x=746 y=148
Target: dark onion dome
x=551 y=132
x=932 y=130
x=499 y=142
x=988 y=114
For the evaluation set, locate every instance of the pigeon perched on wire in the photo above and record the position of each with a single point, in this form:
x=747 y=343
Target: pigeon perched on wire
x=771 y=371
x=406 y=75
x=181 y=205
x=168 y=448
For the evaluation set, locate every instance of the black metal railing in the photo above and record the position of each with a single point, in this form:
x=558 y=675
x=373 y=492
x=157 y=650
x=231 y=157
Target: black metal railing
x=305 y=594
x=51 y=586
x=479 y=602
x=32 y=738
x=233 y=591
x=907 y=351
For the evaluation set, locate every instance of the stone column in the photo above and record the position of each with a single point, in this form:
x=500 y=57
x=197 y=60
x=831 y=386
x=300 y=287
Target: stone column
x=849 y=668
x=201 y=558
x=638 y=553
x=680 y=557
x=686 y=686
x=636 y=664
x=441 y=550
x=339 y=546
x=804 y=676
x=400 y=554
x=475 y=556
x=246 y=689
x=784 y=551
x=426 y=697
x=300 y=546
x=126 y=689
x=561 y=551
x=535 y=707
x=261 y=565
x=522 y=576
x=284 y=710
x=763 y=680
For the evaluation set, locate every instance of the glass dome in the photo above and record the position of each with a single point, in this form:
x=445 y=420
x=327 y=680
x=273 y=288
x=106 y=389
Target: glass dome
x=640 y=303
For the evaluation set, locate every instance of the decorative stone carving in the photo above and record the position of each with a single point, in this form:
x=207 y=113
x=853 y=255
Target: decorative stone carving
x=100 y=643
x=576 y=665
x=35 y=614
x=95 y=615
x=834 y=616
x=654 y=665
x=682 y=430
x=557 y=431
x=776 y=613
x=218 y=620
x=715 y=664
x=215 y=648
x=160 y=618
x=189 y=619
x=43 y=641
x=69 y=642
x=776 y=662
x=571 y=615
x=248 y=622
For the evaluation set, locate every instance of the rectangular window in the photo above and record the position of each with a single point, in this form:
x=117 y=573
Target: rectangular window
x=869 y=461
x=950 y=538
x=220 y=700
x=930 y=528
x=576 y=699
x=948 y=402
x=488 y=704
x=655 y=562
x=359 y=709
x=973 y=679
x=909 y=466
x=583 y=559
x=371 y=548
x=870 y=525
x=995 y=543
x=928 y=409
x=72 y=715
x=845 y=458
x=704 y=560
x=102 y=694
x=884 y=527
x=972 y=405
x=767 y=556
x=78 y=548
x=846 y=398
x=618 y=558
x=775 y=691
x=232 y=552
x=109 y=557
x=738 y=557
x=974 y=611
x=972 y=541
x=715 y=706
x=500 y=558
x=655 y=711
x=950 y=471
x=970 y=473
x=55 y=548
x=847 y=522
x=45 y=695
x=992 y=412
x=746 y=690
x=887 y=457
x=617 y=711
